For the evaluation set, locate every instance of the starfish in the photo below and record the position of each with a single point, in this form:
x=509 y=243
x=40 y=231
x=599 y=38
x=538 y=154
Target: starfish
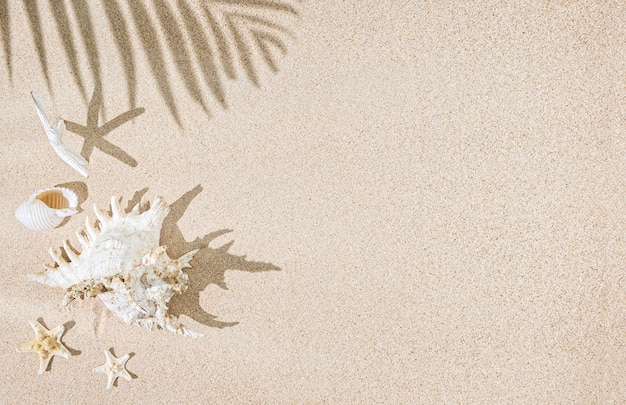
x=47 y=343
x=94 y=134
x=114 y=367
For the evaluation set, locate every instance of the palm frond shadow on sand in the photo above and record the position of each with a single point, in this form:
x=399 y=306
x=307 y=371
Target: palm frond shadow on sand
x=208 y=41
x=209 y=265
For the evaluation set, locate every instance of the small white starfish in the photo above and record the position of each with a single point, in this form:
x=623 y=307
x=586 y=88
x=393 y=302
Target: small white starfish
x=114 y=367
x=55 y=137
x=47 y=343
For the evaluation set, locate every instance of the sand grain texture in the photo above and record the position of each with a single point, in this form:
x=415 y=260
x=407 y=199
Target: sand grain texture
x=440 y=183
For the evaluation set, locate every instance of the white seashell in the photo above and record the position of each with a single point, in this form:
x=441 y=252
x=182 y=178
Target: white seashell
x=114 y=367
x=47 y=343
x=55 y=137
x=46 y=208
x=123 y=264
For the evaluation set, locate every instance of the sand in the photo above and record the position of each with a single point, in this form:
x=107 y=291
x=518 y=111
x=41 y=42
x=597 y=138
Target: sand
x=429 y=197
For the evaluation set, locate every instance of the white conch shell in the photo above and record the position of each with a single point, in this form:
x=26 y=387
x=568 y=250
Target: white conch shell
x=46 y=208
x=123 y=264
x=55 y=137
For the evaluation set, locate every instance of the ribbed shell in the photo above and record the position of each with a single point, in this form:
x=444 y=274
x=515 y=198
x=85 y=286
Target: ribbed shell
x=46 y=208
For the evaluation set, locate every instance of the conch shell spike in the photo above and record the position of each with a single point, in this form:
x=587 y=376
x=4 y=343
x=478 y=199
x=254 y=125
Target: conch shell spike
x=70 y=253
x=56 y=256
x=102 y=216
x=115 y=207
x=184 y=260
x=84 y=242
x=91 y=231
x=50 y=268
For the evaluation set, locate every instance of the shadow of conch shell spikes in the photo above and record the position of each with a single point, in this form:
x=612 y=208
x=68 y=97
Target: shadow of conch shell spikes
x=209 y=265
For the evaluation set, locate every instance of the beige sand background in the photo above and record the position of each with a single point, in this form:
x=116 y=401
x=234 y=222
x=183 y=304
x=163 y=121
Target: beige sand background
x=440 y=183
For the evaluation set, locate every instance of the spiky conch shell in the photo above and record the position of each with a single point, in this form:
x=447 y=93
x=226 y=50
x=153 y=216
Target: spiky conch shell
x=123 y=264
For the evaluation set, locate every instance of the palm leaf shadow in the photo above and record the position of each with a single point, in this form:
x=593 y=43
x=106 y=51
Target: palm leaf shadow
x=208 y=41
x=209 y=265
x=5 y=30
x=83 y=18
x=35 y=28
x=201 y=46
x=61 y=18
x=147 y=34
x=177 y=46
x=121 y=35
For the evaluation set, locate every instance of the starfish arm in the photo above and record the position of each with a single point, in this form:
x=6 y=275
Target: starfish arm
x=26 y=347
x=125 y=375
x=44 y=360
x=58 y=331
x=73 y=154
x=111 y=380
x=53 y=137
x=37 y=327
x=110 y=359
x=62 y=352
x=99 y=369
x=122 y=360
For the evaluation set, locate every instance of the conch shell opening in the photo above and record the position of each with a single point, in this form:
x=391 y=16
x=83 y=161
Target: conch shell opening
x=46 y=208
x=54 y=199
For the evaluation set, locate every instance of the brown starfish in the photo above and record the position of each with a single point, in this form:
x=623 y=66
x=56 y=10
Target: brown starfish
x=47 y=343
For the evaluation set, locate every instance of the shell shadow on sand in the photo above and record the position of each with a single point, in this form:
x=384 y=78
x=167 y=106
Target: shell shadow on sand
x=208 y=265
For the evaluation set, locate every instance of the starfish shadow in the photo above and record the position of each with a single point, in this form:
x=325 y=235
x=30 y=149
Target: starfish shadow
x=94 y=134
x=208 y=265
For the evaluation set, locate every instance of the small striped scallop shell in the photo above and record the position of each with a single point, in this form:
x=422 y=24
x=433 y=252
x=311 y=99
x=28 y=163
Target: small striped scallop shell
x=46 y=208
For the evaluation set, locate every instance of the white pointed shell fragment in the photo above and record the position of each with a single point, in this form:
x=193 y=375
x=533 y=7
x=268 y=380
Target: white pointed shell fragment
x=114 y=367
x=55 y=137
x=47 y=343
x=46 y=208
x=123 y=265
x=102 y=216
